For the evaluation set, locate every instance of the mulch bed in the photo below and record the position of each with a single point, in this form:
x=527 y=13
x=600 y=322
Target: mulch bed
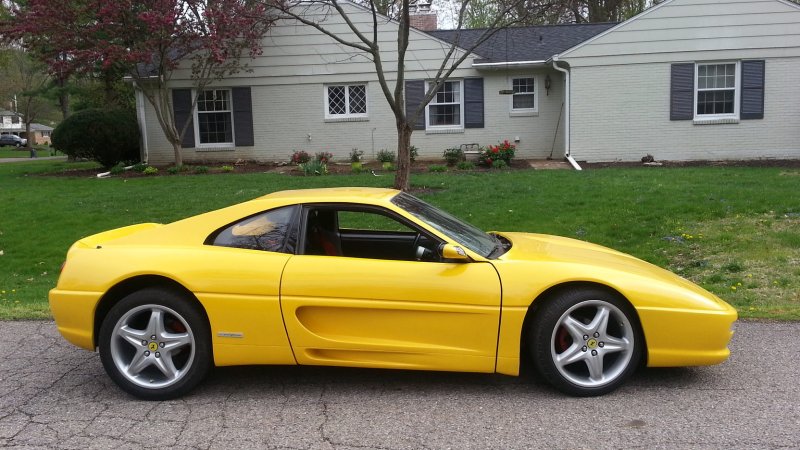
x=418 y=167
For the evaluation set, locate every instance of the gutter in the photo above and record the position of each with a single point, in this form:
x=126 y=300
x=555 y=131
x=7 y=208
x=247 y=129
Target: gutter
x=508 y=64
x=567 y=152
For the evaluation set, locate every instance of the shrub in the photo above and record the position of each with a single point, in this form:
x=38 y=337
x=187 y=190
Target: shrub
x=437 y=168
x=385 y=156
x=200 y=169
x=140 y=167
x=466 y=165
x=226 y=168
x=106 y=136
x=355 y=155
x=499 y=164
x=388 y=166
x=453 y=156
x=300 y=157
x=173 y=170
x=356 y=169
x=503 y=152
x=323 y=157
x=150 y=170
x=118 y=169
x=413 y=152
x=314 y=168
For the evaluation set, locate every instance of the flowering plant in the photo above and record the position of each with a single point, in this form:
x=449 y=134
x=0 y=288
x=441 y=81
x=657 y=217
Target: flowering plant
x=501 y=152
x=300 y=157
x=323 y=157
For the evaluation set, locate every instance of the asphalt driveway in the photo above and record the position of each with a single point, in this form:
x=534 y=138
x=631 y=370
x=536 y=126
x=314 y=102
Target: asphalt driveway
x=55 y=395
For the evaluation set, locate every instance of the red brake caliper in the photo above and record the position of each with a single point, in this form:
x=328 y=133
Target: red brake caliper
x=563 y=340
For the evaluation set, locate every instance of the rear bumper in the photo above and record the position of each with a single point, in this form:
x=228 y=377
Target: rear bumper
x=74 y=315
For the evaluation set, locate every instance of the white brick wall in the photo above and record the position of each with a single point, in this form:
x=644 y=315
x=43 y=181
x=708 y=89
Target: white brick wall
x=622 y=113
x=284 y=116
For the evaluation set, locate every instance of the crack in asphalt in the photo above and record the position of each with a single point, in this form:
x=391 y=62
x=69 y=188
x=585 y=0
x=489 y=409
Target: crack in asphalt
x=54 y=395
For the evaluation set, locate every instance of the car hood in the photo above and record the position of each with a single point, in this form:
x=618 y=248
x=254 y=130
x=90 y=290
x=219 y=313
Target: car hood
x=574 y=253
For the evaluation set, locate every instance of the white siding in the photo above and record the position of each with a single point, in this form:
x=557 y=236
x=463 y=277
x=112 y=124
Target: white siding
x=621 y=82
x=622 y=113
x=697 y=29
x=287 y=84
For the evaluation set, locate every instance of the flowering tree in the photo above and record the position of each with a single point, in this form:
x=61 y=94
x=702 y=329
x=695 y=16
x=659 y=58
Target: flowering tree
x=147 y=40
x=314 y=13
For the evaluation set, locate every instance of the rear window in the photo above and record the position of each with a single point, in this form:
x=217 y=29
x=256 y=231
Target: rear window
x=269 y=231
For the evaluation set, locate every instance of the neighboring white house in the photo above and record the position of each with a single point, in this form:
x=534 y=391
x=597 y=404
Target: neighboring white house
x=687 y=79
x=13 y=123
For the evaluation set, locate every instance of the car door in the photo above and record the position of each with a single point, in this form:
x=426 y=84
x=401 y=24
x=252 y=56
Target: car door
x=393 y=311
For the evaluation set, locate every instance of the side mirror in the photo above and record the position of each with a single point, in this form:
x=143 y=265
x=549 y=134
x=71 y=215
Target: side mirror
x=453 y=253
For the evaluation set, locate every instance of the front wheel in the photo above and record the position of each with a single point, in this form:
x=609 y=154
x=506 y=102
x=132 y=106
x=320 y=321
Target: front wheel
x=155 y=344
x=586 y=342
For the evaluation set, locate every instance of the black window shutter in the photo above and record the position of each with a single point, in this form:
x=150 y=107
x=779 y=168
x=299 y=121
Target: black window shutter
x=473 y=103
x=415 y=92
x=182 y=111
x=752 y=106
x=242 y=117
x=681 y=92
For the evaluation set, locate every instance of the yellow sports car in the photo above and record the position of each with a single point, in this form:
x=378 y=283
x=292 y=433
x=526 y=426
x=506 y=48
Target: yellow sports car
x=367 y=277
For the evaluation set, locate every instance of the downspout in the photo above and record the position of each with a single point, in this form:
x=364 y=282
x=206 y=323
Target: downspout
x=142 y=119
x=567 y=153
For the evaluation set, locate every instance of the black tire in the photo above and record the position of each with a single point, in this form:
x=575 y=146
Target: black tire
x=155 y=344
x=18 y=145
x=573 y=351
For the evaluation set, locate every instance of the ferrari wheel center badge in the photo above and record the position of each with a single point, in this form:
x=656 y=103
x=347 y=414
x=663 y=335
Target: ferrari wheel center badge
x=153 y=346
x=591 y=343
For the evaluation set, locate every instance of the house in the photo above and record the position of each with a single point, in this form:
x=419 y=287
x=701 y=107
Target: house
x=686 y=79
x=13 y=123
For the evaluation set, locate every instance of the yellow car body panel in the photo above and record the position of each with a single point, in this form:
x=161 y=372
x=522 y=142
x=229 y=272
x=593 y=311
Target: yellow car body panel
x=393 y=314
x=276 y=308
x=673 y=312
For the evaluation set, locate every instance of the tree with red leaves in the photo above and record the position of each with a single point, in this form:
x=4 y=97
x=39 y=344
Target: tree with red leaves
x=148 y=41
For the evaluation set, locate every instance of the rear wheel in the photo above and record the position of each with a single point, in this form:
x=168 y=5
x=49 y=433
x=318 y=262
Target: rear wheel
x=586 y=342
x=155 y=344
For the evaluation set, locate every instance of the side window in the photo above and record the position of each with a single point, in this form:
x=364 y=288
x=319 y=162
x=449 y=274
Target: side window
x=270 y=231
x=369 y=221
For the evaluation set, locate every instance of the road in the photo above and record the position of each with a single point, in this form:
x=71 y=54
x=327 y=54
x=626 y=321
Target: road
x=55 y=395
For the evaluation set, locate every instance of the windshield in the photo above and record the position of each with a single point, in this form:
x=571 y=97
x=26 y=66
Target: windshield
x=463 y=233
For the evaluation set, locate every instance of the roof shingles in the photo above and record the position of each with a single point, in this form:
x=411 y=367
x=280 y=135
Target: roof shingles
x=534 y=43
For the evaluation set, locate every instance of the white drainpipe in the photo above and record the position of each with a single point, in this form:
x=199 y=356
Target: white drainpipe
x=567 y=153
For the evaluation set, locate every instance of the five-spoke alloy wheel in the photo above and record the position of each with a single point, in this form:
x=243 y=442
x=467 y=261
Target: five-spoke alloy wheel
x=585 y=342
x=155 y=344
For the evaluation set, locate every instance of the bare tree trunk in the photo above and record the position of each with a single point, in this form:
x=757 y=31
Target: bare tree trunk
x=176 y=147
x=402 y=179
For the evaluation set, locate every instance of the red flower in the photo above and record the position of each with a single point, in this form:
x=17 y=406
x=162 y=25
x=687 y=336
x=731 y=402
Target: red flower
x=495 y=150
x=488 y=161
x=505 y=142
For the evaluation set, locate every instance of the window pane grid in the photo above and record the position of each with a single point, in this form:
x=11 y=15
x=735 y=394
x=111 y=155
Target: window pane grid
x=347 y=100
x=716 y=89
x=214 y=121
x=445 y=107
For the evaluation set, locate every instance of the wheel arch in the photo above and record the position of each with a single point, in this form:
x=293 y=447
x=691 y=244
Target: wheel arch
x=553 y=292
x=131 y=285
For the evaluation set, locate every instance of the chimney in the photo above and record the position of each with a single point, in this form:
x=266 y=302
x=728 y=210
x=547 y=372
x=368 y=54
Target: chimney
x=421 y=17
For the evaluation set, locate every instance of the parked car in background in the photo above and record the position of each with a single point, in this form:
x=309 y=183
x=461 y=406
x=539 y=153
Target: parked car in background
x=12 y=139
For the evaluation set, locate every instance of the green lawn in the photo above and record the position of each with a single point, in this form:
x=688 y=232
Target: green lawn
x=11 y=152
x=736 y=231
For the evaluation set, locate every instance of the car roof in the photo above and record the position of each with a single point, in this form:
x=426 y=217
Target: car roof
x=340 y=194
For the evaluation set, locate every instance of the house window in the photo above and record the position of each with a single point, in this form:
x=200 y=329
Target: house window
x=14 y=119
x=524 y=96
x=214 y=117
x=717 y=87
x=446 y=109
x=345 y=101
